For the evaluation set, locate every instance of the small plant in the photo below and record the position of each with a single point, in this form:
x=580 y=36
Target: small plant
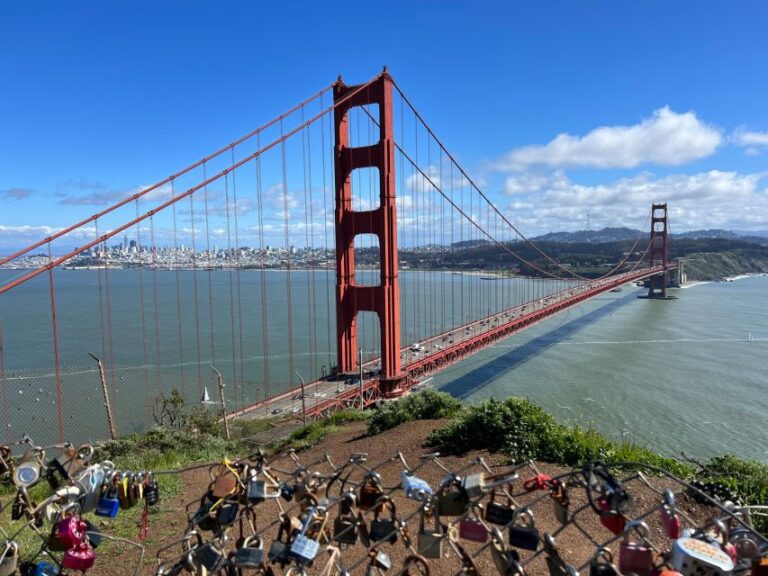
x=425 y=405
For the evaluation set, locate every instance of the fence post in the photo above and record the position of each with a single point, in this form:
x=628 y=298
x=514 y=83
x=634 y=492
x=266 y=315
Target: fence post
x=107 y=405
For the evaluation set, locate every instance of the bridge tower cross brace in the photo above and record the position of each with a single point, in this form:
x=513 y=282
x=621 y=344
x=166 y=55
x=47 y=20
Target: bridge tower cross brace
x=657 y=287
x=382 y=221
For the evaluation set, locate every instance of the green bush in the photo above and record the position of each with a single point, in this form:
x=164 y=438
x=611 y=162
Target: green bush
x=525 y=431
x=425 y=405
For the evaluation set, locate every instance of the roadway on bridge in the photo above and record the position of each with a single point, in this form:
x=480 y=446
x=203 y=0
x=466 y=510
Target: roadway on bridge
x=290 y=403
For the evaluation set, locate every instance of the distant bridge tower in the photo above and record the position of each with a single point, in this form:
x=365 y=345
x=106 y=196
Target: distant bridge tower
x=382 y=221
x=657 y=287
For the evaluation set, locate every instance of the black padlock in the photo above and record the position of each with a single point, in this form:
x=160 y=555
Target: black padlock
x=286 y=492
x=250 y=554
x=523 y=533
x=204 y=519
x=151 y=491
x=496 y=513
x=17 y=510
x=384 y=529
x=211 y=557
x=226 y=514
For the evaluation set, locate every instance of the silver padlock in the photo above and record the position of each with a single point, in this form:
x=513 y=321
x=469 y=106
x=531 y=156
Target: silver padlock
x=9 y=559
x=91 y=480
x=304 y=549
x=694 y=557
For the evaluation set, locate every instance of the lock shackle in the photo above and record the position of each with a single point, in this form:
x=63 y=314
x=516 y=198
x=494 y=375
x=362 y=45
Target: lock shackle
x=11 y=550
x=669 y=499
x=523 y=513
x=415 y=559
x=602 y=553
x=383 y=502
x=640 y=527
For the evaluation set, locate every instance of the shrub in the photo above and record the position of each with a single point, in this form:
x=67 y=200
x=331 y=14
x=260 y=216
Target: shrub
x=425 y=405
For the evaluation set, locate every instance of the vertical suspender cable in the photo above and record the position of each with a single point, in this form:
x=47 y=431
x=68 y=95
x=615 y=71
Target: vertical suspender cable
x=179 y=329
x=196 y=291
x=140 y=269
x=158 y=358
x=6 y=410
x=287 y=259
x=56 y=364
x=238 y=267
x=262 y=281
x=230 y=265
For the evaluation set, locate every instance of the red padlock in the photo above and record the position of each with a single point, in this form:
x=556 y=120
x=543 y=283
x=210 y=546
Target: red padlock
x=669 y=518
x=67 y=533
x=473 y=530
x=80 y=558
x=636 y=557
x=614 y=520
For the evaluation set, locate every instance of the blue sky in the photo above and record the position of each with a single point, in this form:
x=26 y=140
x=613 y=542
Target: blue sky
x=558 y=108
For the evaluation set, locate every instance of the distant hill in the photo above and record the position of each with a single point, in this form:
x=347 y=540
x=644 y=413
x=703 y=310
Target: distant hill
x=624 y=234
x=591 y=236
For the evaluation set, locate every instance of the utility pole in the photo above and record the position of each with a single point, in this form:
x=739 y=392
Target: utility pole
x=303 y=400
x=107 y=405
x=220 y=382
x=360 y=362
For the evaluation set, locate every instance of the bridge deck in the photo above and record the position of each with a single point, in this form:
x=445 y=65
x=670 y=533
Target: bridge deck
x=440 y=351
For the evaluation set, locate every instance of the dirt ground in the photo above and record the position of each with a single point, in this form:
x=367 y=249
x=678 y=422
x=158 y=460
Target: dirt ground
x=576 y=541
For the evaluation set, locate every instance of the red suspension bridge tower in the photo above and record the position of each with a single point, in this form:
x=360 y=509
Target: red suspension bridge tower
x=657 y=287
x=383 y=299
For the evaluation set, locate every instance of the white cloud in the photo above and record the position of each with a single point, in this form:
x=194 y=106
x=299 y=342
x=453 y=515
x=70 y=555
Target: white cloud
x=754 y=142
x=713 y=199
x=666 y=138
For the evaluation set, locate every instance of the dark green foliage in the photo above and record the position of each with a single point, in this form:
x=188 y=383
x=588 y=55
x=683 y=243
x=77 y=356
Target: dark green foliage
x=525 y=431
x=425 y=405
x=747 y=478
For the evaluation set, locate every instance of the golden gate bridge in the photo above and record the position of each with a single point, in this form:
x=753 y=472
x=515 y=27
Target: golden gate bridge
x=350 y=169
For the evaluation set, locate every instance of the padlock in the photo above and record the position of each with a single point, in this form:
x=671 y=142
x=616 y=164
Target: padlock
x=91 y=480
x=522 y=532
x=304 y=549
x=430 y=542
x=472 y=528
x=694 y=557
x=560 y=500
x=225 y=480
x=384 y=529
x=378 y=563
x=506 y=559
x=415 y=487
x=669 y=518
x=28 y=472
x=555 y=563
x=226 y=514
x=346 y=526
x=45 y=569
x=417 y=562
x=126 y=490
x=19 y=506
x=477 y=485
x=602 y=564
x=72 y=460
x=613 y=520
x=499 y=514
x=745 y=542
x=67 y=533
x=256 y=490
x=151 y=490
x=80 y=558
x=286 y=491
x=278 y=549
x=370 y=492
x=210 y=556
x=9 y=559
x=5 y=459
x=452 y=499
x=249 y=554
x=204 y=518
x=108 y=505
x=636 y=557
x=92 y=534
